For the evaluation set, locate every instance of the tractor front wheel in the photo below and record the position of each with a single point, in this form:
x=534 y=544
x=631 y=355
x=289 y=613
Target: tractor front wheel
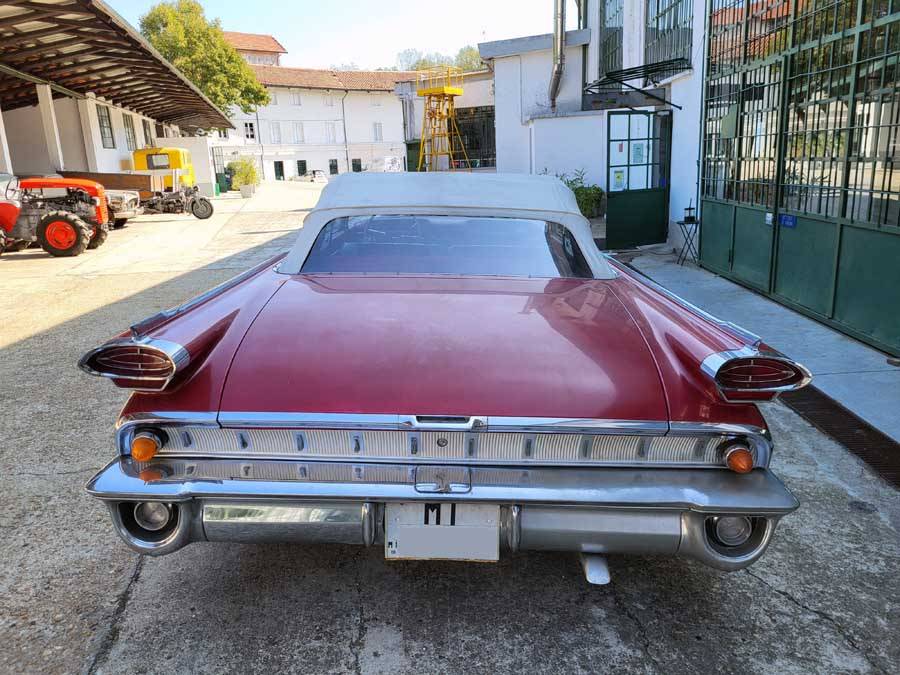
x=201 y=208
x=63 y=234
x=98 y=236
x=119 y=223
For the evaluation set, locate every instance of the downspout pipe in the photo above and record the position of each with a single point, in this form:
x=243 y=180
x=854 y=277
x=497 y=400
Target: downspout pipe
x=559 y=51
x=344 y=125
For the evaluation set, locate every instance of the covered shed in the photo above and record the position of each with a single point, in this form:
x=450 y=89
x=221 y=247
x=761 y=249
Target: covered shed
x=80 y=89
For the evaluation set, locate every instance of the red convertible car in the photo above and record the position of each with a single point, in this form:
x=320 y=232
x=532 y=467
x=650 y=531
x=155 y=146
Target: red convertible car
x=446 y=366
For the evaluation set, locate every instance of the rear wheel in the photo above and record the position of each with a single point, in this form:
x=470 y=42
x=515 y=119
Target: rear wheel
x=201 y=207
x=63 y=234
x=98 y=236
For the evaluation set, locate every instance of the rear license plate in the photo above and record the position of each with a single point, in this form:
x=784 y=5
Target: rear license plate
x=437 y=531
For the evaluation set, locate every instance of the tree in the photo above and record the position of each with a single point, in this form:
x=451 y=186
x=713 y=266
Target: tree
x=180 y=31
x=345 y=66
x=467 y=59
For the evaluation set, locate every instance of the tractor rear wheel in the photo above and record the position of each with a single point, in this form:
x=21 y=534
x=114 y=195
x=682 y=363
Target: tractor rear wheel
x=201 y=208
x=63 y=234
x=98 y=236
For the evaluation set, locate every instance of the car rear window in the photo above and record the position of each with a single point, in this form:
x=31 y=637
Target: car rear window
x=446 y=245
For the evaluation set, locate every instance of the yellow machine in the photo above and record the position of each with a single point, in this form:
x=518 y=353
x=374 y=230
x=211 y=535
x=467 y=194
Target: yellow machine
x=442 y=148
x=167 y=159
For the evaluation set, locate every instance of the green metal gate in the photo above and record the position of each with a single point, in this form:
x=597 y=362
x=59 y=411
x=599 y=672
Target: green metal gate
x=637 y=178
x=800 y=196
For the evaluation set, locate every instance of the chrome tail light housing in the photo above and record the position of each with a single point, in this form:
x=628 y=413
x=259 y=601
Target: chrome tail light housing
x=754 y=373
x=143 y=364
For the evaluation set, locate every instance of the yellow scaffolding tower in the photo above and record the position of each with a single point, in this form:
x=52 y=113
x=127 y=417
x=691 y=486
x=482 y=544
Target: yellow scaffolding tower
x=442 y=148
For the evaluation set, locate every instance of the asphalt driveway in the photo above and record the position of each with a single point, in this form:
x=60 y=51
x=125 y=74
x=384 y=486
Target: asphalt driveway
x=73 y=598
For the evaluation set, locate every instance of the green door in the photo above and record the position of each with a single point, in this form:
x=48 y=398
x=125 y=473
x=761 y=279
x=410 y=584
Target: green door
x=637 y=178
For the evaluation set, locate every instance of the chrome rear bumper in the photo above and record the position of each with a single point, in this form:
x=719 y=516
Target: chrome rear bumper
x=588 y=510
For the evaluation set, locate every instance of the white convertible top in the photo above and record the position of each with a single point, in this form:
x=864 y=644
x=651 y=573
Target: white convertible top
x=447 y=193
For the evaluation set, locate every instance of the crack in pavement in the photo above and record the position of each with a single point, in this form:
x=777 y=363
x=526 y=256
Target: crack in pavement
x=642 y=630
x=112 y=633
x=49 y=474
x=822 y=615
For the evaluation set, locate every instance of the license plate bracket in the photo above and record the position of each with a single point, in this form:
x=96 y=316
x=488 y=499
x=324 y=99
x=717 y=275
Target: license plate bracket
x=442 y=531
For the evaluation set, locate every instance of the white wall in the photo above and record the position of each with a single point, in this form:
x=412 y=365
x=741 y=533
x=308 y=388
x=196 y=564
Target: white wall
x=29 y=151
x=520 y=94
x=563 y=145
x=27 y=147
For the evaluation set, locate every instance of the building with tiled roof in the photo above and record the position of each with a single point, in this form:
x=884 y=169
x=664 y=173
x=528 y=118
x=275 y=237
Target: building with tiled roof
x=256 y=48
x=328 y=120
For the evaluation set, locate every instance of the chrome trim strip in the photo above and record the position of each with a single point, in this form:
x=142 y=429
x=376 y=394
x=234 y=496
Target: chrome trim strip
x=758 y=492
x=231 y=420
x=177 y=355
x=145 y=325
x=759 y=436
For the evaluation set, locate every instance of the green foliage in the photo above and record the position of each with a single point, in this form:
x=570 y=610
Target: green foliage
x=180 y=31
x=467 y=59
x=243 y=172
x=588 y=196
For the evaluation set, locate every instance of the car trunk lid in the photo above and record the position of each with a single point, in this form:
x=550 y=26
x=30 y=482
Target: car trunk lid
x=481 y=346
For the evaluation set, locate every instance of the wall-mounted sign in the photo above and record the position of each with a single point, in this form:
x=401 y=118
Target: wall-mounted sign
x=618 y=179
x=785 y=220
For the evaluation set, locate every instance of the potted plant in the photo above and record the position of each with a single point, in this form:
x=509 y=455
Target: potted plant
x=244 y=176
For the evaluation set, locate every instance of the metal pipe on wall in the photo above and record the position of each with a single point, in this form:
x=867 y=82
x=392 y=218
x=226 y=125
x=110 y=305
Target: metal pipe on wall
x=559 y=50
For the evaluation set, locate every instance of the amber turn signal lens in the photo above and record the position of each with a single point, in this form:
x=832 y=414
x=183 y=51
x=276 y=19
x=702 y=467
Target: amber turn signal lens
x=144 y=446
x=739 y=459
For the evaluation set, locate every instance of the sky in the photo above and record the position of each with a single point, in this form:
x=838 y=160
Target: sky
x=323 y=33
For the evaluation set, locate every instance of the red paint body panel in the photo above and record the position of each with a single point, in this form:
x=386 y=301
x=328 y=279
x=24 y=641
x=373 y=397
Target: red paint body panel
x=9 y=214
x=571 y=348
x=211 y=332
x=437 y=345
x=680 y=341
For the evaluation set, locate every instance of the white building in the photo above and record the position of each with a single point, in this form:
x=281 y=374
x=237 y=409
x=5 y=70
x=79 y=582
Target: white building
x=656 y=46
x=334 y=121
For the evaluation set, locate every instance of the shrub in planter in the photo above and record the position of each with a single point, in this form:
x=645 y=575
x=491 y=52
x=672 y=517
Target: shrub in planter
x=591 y=198
x=243 y=174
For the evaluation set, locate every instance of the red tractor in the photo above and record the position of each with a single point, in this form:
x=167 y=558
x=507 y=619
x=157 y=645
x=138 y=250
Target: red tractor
x=64 y=216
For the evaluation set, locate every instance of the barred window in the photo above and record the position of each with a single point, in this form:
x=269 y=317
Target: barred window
x=148 y=133
x=611 y=12
x=106 y=131
x=130 y=138
x=668 y=32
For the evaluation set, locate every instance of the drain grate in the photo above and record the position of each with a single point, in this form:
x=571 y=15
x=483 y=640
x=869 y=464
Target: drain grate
x=878 y=450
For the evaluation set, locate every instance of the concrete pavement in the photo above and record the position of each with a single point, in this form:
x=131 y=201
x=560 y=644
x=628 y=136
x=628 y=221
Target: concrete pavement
x=826 y=597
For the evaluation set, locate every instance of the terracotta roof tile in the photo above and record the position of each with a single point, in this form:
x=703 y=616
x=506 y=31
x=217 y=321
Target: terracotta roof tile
x=254 y=42
x=348 y=80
